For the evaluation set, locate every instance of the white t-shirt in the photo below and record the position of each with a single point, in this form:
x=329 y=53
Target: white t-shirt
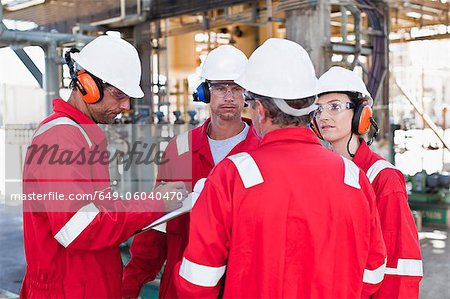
x=221 y=148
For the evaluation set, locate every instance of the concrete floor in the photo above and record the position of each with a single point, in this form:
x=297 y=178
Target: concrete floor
x=435 y=245
x=12 y=258
x=435 y=250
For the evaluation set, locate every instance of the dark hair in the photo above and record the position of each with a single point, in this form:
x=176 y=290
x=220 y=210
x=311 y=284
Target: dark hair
x=355 y=97
x=278 y=117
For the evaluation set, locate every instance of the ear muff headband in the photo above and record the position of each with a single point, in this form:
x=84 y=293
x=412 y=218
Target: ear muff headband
x=202 y=93
x=361 y=118
x=89 y=87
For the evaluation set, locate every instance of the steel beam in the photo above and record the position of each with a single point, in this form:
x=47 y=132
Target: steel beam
x=30 y=65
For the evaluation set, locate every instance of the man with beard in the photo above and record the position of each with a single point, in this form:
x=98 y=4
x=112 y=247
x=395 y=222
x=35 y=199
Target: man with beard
x=72 y=245
x=191 y=157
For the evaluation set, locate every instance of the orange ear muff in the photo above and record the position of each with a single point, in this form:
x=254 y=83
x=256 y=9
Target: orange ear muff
x=89 y=87
x=315 y=128
x=361 y=118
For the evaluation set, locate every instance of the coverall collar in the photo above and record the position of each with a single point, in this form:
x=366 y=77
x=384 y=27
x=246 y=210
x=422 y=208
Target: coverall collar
x=201 y=137
x=301 y=134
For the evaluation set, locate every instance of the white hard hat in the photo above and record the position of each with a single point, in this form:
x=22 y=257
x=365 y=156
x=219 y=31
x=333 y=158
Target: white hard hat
x=114 y=61
x=338 y=79
x=224 y=63
x=280 y=68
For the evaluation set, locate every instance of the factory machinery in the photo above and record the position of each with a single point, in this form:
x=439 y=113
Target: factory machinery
x=429 y=194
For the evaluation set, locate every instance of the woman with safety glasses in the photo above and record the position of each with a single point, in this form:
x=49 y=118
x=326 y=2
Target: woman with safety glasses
x=343 y=115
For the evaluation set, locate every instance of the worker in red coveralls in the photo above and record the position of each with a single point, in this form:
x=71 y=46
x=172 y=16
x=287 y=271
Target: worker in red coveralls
x=345 y=114
x=72 y=245
x=191 y=157
x=290 y=219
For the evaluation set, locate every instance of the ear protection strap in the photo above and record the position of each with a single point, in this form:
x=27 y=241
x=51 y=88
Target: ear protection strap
x=377 y=131
x=315 y=127
x=70 y=63
x=348 y=146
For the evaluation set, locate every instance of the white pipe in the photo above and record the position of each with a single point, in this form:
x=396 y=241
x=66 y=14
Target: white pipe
x=41 y=38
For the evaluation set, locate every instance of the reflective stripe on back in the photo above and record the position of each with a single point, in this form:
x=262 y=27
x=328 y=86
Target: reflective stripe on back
x=183 y=143
x=248 y=169
x=376 y=167
x=61 y=121
x=351 y=174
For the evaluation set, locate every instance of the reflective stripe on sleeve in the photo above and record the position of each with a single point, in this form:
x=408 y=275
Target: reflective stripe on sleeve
x=374 y=276
x=248 y=169
x=205 y=276
x=75 y=226
x=406 y=267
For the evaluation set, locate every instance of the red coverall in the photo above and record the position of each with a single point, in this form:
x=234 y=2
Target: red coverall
x=404 y=261
x=289 y=220
x=72 y=247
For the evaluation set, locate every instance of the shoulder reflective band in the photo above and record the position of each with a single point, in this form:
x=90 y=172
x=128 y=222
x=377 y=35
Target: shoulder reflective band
x=374 y=276
x=77 y=224
x=205 y=276
x=351 y=174
x=248 y=170
x=183 y=143
x=376 y=167
x=62 y=121
x=406 y=267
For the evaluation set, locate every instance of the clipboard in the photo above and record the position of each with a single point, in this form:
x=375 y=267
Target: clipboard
x=160 y=223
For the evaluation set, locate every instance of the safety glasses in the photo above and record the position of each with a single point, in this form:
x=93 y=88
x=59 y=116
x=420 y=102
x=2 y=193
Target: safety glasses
x=221 y=89
x=333 y=108
x=115 y=93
